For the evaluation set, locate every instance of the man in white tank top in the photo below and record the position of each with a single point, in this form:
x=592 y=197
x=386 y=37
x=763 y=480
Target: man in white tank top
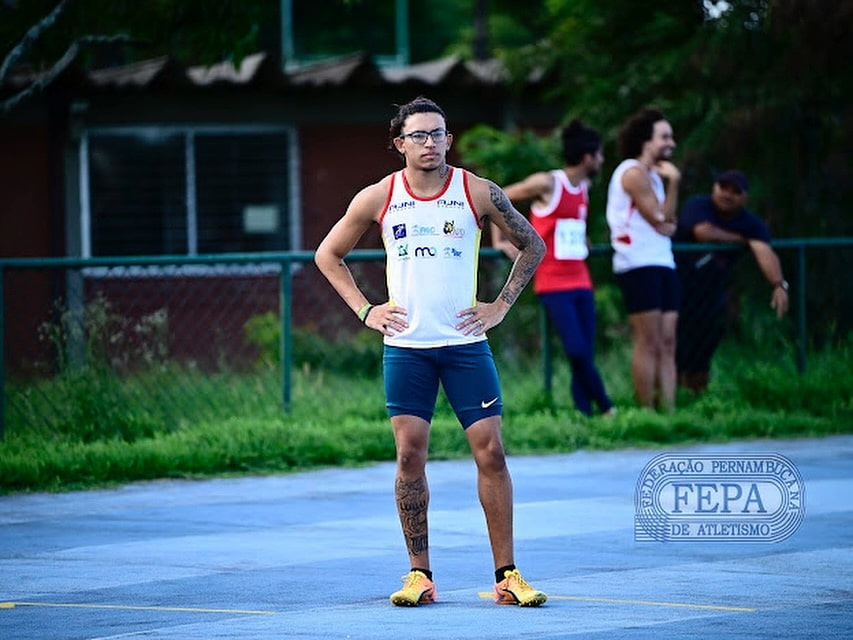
x=431 y=216
x=641 y=215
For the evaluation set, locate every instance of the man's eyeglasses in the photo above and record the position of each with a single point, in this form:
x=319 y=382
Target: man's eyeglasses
x=420 y=137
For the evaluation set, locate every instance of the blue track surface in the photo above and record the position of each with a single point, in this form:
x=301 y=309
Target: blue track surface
x=315 y=555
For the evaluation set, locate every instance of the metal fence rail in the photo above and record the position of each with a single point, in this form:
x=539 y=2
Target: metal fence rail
x=224 y=314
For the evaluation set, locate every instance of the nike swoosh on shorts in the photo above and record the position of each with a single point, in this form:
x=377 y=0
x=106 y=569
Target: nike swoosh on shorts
x=486 y=405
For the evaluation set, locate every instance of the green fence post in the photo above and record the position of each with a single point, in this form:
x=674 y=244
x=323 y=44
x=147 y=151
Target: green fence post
x=801 y=308
x=2 y=356
x=286 y=339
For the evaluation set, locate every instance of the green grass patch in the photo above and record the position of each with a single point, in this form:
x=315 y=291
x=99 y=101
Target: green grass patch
x=97 y=428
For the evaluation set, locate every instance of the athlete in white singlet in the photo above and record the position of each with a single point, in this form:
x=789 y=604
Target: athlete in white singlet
x=434 y=328
x=432 y=246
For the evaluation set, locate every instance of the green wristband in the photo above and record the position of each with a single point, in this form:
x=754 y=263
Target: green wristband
x=362 y=313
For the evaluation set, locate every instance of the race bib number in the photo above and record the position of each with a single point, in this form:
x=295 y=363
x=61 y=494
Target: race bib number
x=570 y=239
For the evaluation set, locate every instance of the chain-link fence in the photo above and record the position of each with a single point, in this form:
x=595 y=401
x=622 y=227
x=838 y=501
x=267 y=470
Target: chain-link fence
x=170 y=339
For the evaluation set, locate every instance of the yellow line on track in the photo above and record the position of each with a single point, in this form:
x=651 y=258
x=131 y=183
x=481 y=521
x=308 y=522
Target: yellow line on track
x=12 y=605
x=648 y=603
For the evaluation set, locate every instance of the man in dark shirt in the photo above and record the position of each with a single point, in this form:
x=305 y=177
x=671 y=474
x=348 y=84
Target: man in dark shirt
x=720 y=217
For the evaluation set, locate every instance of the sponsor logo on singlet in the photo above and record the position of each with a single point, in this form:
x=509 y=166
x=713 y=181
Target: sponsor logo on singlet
x=451 y=231
x=399 y=207
x=426 y=252
x=423 y=230
x=399 y=231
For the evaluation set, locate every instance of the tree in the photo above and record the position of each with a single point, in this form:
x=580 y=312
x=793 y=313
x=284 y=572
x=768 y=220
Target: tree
x=762 y=85
x=28 y=41
x=48 y=36
x=45 y=37
x=759 y=84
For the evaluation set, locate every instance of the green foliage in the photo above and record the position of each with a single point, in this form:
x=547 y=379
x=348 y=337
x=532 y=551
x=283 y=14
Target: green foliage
x=237 y=425
x=264 y=332
x=509 y=25
x=192 y=31
x=508 y=157
x=738 y=82
x=96 y=335
x=95 y=348
x=96 y=406
x=357 y=26
x=766 y=384
x=94 y=403
x=195 y=31
x=360 y=354
x=730 y=81
x=611 y=318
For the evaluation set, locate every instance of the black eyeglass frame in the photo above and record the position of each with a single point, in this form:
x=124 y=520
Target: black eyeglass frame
x=417 y=135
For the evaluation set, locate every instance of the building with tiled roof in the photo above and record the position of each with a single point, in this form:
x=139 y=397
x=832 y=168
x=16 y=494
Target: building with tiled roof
x=156 y=158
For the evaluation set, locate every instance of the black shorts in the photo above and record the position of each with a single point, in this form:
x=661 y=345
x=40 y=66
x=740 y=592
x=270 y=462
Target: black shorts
x=650 y=289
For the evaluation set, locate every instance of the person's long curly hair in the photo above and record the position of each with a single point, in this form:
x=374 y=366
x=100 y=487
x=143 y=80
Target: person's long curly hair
x=637 y=131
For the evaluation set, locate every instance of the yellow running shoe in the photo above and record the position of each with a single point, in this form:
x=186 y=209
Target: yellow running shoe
x=513 y=589
x=417 y=589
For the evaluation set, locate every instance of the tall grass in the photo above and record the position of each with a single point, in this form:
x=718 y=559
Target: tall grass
x=107 y=429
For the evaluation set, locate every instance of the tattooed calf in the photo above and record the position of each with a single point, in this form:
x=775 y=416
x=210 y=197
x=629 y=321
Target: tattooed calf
x=412 y=502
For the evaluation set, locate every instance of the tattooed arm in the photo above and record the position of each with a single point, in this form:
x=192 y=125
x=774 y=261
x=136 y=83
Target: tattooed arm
x=516 y=228
x=492 y=204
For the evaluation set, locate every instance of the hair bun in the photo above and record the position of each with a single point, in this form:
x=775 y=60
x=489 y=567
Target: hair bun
x=575 y=126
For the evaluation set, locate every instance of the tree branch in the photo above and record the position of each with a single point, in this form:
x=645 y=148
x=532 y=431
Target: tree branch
x=61 y=65
x=33 y=34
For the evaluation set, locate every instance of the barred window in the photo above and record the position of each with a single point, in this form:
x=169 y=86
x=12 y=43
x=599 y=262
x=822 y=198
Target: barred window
x=185 y=191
